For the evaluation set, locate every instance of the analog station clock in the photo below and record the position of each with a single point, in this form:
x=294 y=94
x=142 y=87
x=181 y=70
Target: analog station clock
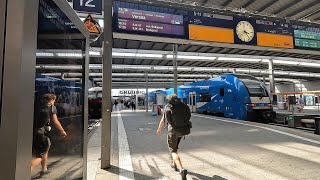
x=245 y=31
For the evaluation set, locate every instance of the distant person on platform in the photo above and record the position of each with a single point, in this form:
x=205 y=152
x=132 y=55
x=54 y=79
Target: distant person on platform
x=133 y=106
x=300 y=104
x=115 y=103
x=178 y=115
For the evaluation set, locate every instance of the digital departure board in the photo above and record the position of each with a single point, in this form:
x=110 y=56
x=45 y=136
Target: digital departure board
x=280 y=28
x=306 y=37
x=151 y=27
x=138 y=19
x=274 y=34
x=210 y=27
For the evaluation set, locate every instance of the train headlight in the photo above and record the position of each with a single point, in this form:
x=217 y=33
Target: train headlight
x=251 y=104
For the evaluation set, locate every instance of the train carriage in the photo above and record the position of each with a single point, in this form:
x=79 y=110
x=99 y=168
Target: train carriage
x=234 y=96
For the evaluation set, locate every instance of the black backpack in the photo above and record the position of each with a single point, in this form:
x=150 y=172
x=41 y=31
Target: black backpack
x=178 y=116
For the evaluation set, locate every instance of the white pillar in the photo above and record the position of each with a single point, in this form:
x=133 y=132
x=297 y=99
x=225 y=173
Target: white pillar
x=271 y=78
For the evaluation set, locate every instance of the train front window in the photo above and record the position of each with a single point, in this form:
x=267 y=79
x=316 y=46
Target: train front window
x=254 y=85
x=257 y=90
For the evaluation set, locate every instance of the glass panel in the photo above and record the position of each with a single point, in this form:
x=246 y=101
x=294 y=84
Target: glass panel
x=255 y=86
x=194 y=99
x=256 y=90
x=61 y=50
x=205 y=97
x=221 y=92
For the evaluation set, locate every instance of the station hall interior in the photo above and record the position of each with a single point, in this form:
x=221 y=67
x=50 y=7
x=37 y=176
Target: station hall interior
x=103 y=70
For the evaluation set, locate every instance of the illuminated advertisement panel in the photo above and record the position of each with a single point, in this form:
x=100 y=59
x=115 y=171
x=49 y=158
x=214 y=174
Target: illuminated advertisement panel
x=149 y=20
x=210 y=27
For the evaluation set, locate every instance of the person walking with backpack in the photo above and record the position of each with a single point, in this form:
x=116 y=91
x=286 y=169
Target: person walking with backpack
x=44 y=113
x=177 y=115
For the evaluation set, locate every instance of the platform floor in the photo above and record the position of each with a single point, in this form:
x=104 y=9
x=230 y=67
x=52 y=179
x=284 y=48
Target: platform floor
x=306 y=110
x=217 y=149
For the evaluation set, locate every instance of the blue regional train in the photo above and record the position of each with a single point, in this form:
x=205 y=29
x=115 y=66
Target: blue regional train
x=234 y=96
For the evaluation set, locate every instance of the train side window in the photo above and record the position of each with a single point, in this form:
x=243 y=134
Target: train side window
x=205 y=97
x=221 y=92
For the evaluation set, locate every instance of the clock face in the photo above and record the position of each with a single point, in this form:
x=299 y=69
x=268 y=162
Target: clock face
x=245 y=31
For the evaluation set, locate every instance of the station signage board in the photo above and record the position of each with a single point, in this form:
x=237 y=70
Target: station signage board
x=143 y=19
x=92 y=25
x=131 y=92
x=88 y=6
x=148 y=20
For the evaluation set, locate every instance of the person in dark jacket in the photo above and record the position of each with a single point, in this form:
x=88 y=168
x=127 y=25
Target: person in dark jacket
x=173 y=140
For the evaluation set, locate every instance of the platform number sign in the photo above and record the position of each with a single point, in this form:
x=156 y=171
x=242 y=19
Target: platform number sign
x=88 y=6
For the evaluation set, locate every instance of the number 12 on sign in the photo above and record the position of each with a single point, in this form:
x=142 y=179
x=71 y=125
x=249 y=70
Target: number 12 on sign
x=87 y=4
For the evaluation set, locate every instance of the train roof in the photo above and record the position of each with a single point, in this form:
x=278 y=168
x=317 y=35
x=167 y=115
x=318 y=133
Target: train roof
x=209 y=82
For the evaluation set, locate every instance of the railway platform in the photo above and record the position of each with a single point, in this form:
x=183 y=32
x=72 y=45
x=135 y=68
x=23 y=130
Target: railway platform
x=217 y=149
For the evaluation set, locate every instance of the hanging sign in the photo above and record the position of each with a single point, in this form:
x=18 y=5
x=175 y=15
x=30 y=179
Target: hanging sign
x=92 y=25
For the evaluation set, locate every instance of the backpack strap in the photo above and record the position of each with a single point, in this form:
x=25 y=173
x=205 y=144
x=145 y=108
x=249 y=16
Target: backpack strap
x=169 y=119
x=50 y=113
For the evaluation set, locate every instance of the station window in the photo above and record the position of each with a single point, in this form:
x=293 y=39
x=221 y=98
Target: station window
x=221 y=92
x=205 y=97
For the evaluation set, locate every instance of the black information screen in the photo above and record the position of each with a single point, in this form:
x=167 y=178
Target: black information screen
x=149 y=20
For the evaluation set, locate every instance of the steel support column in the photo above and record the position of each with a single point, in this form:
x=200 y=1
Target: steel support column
x=147 y=93
x=271 y=78
x=107 y=86
x=175 y=67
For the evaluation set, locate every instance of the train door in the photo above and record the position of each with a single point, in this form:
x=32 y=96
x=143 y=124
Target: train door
x=230 y=103
x=192 y=102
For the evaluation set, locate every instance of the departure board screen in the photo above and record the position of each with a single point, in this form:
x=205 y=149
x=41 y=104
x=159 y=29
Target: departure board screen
x=274 y=34
x=146 y=20
x=306 y=37
x=211 y=27
x=150 y=27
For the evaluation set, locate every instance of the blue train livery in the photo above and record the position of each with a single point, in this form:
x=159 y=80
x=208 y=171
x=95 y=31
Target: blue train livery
x=234 y=96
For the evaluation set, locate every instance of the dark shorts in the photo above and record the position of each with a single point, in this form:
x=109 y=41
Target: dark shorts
x=173 y=142
x=40 y=145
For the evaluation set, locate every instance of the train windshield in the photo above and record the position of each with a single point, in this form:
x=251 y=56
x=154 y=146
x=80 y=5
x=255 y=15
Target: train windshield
x=257 y=90
x=255 y=87
x=95 y=94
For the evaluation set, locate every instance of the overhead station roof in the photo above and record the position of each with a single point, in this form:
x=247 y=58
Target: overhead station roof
x=132 y=70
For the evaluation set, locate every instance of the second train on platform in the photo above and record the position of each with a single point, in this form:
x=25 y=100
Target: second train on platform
x=233 y=96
